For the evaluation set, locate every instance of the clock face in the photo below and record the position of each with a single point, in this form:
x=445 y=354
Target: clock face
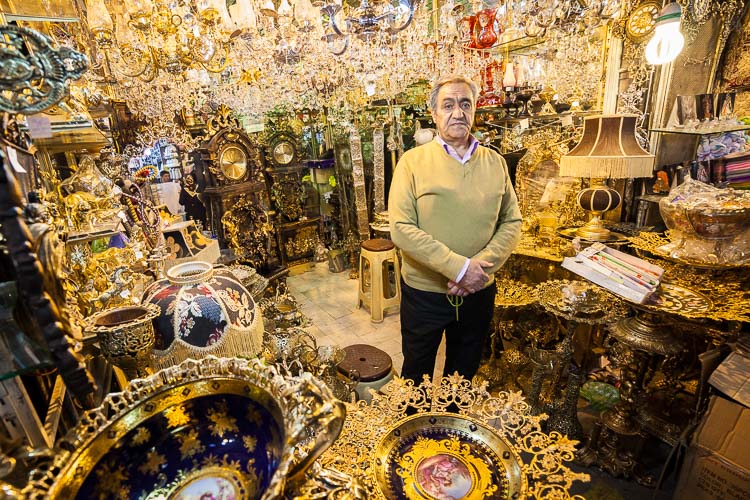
x=283 y=153
x=642 y=20
x=233 y=163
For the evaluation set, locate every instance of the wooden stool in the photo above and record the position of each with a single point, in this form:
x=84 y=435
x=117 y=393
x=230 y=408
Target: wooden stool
x=374 y=366
x=378 y=253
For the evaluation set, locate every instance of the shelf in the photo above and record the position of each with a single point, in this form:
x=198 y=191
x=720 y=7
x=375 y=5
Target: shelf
x=512 y=46
x=735 y=128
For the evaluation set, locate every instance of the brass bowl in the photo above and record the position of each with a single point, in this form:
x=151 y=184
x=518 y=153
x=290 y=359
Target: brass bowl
x=444 y=455
x=225 y=427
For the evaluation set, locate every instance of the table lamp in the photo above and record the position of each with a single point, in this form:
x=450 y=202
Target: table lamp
x=608 y=150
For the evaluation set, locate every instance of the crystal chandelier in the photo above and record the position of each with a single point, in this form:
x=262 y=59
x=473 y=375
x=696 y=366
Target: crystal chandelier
x=367 y=21
x=152 y=36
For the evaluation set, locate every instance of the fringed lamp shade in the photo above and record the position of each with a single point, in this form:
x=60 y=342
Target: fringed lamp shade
x=608 y=150
x=203 y=311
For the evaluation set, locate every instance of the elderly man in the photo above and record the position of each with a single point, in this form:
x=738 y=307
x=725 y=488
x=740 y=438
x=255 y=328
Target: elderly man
x=455 y=217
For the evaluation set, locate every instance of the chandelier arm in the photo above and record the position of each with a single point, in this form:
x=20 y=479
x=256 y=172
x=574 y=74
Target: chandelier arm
x=143 y=55
x=225 y=58
x=343 y=49
x=330 y=11
x=406 y=23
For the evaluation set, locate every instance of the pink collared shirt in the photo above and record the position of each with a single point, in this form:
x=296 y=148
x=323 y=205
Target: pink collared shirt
x=473 y=144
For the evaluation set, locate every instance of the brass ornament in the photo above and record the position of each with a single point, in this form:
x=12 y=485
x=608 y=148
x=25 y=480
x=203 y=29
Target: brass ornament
x=126 y=337
x=34 y=75
x=512 y=293
x=431 y=455
x=506 y=413
x=224 y=118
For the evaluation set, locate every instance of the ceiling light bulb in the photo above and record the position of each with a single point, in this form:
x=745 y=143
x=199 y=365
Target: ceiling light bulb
x=667 y=42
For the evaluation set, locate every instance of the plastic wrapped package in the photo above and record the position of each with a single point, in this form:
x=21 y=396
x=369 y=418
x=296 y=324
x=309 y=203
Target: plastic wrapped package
x=707 y=224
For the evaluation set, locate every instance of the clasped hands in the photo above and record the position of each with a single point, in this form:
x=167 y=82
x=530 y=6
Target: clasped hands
x=473 y=280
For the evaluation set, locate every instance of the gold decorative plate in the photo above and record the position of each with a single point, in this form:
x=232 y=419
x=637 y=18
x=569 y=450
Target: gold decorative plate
x=444 y=455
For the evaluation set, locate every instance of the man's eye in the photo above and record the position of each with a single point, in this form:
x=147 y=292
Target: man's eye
x=466 y=105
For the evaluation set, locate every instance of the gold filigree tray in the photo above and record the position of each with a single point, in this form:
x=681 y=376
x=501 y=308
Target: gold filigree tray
x=651 y=243
x=372 y=430
x=439 y=455
x=675 y=299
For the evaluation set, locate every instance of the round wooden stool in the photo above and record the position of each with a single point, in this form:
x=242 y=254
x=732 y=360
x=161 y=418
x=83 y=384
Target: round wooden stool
x=374 y=366
x=379 y=254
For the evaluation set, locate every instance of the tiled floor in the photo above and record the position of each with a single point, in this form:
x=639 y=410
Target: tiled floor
x=330 y=301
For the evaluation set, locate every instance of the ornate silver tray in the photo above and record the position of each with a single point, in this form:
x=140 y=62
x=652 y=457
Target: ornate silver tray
x=443 y=455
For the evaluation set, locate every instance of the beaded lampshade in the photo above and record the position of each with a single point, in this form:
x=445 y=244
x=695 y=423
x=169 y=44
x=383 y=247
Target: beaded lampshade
x=608 y=149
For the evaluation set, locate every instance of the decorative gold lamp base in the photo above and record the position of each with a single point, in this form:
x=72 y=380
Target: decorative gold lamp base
x=597 y=199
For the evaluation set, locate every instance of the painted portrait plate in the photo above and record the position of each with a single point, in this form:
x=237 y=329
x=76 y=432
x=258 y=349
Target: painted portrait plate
x=443 y=456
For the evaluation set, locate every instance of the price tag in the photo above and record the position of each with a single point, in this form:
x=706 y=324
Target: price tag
x=524 y=124
x=39 y=127
x=567 y=120
x=13 y=158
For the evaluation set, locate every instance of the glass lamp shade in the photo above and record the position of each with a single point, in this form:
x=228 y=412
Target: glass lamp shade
x=203 y=311
x=667 y=42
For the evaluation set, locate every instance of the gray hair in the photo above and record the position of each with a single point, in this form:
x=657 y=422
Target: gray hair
x=452 y=79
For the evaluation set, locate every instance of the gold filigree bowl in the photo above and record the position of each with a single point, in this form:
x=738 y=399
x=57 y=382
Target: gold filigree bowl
x=213 y=428
x=443 y=455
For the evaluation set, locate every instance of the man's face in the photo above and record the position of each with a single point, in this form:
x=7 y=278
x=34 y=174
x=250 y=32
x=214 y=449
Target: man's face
x=454 y=114
x=165 y=178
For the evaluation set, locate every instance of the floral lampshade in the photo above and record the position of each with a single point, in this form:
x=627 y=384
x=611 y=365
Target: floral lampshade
x=203 y=311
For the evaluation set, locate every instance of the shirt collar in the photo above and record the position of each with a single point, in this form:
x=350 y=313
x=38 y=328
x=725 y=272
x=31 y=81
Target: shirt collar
x=473 y=144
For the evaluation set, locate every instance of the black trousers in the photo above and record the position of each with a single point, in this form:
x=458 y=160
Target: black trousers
x=424 y=318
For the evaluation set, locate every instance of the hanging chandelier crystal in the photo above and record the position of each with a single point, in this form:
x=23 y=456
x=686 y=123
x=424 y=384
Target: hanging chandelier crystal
x=367 y=21
x=152 y=36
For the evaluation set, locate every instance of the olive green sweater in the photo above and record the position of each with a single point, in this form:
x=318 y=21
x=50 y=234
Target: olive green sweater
x=442 y=212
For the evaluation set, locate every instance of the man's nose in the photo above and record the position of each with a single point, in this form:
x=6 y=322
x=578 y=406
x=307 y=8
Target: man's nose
x=459 y=110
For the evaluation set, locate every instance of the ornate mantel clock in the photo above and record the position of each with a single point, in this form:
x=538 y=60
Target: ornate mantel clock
x=298 y=235
x=232 y=166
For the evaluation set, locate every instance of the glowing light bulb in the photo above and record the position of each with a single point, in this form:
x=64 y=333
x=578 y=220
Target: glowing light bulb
x=667 y=42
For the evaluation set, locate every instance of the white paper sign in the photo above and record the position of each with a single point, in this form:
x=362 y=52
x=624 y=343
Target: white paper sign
x=524 y=124
x=567 y=121
x=39 y=127
x=13 y=158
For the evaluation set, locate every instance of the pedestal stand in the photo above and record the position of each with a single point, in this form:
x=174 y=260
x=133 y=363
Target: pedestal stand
x=639 y=339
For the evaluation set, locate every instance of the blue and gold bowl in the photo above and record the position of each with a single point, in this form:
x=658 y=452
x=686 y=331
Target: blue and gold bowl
x=214 y=428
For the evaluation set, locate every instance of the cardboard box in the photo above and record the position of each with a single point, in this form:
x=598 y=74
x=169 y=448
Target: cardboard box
x=717 y=464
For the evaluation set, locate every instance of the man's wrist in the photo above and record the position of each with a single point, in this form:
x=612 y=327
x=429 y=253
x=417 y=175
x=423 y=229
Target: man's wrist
x=463 y=271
